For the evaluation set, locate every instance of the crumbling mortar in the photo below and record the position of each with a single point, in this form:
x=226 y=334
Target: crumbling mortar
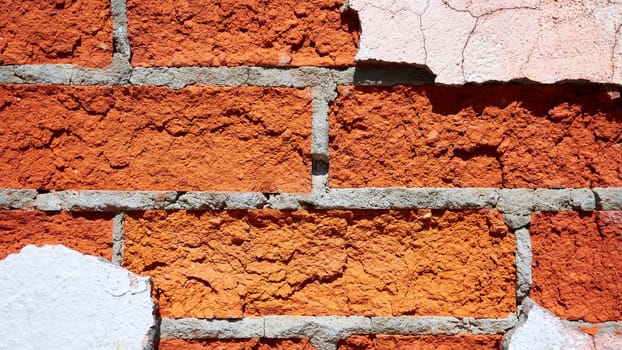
x=118 y=244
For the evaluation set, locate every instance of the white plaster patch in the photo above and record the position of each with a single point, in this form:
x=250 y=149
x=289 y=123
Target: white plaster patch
x=543 y=331
x=56 y=298
x=464 y=41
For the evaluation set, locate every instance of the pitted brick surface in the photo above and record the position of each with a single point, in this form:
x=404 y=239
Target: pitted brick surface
x=577 y=264
x=235 y=344
x=476 y=136
x=61 y=31
x=238 y=263
x=89 y=233
x=154 y=138
x=234 y=32
x=421 y=342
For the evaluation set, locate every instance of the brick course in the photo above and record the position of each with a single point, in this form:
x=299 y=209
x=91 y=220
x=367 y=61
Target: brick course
x=72 y=31
x=232 y=33
x=480 y=136
x=577 y=264
x=154 y=138
x=228 y=264
x=89 y=233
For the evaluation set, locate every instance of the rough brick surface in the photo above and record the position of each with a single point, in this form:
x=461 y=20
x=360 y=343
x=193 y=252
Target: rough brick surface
x=151 y=138
x=476 y=136
x=577 y=264
x=89 y=233
x=239 y=263
x=235 y=344
x=249 y=32
x=421 y=342
x=61 y=31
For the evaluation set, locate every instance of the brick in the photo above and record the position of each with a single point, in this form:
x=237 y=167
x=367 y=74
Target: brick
x=421 y=342
x=89 y=233
x=61 y=31
x=577 y=264
x=476 y=136
x=229 y=264
x=235 y=344
x=248 y=32
x=154 y=138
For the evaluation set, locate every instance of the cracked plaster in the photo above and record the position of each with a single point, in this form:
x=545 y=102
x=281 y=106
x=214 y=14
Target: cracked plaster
x=464 y=41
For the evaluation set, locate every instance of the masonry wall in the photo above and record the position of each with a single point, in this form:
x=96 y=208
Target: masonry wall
x=282 y=196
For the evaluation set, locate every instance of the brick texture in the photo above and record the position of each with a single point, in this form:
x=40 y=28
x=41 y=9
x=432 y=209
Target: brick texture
x=152 y=138
x=89 y=233
x=421 y=342
x=61 y=31
x=234 y=32
x=241 y=263
x=476 y=136
x=236 y=344
x=577 y=264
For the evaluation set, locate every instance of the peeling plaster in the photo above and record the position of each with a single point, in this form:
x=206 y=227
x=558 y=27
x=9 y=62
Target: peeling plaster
x=464 y=41
x=56 y=298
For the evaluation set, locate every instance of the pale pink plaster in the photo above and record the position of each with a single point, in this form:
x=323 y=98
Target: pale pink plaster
x=608 y=341
x=496 y=40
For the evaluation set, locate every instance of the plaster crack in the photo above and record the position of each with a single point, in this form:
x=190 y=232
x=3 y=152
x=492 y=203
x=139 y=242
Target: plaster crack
x=425 y=50
x=613 y=51
x=466 y=43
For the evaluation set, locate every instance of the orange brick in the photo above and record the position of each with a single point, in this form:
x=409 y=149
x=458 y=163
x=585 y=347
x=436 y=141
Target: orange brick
x=62 y=31
x=153 y=138
x=248 y=32
x=476 y=136
x=89 y=233
x=235 y=344
x=241 y=263
x=577 y=264
x=422 y=342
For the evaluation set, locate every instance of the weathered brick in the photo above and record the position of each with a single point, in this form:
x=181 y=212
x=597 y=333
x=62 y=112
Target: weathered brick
x=234 y=32
x=241 y=263
x=421 y=342
x=476 y=136
x=577 y=264
x=89 y=233
x=233 y=344
x=62 y=31
x=154 y=138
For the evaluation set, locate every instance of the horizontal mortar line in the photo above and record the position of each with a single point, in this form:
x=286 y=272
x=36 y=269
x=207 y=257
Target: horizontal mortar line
x=607 y=325
x=509 y=201
x=121 y=73
x=334 y=326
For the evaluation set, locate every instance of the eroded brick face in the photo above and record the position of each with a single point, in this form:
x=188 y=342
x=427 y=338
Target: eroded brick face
x=577 y=264
x=233 y=32
x=154 y=138
x=62 y=31
x=89 y=233
x=236 y=344
x=421 y=342
x=241 y=263
x=476 y=136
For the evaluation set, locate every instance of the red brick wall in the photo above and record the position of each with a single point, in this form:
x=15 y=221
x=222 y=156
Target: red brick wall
x=229 y=155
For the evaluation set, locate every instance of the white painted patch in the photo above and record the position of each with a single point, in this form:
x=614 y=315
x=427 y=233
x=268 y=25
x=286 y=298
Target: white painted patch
x=56 y=298
x=543 y=331
x=464 y=41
